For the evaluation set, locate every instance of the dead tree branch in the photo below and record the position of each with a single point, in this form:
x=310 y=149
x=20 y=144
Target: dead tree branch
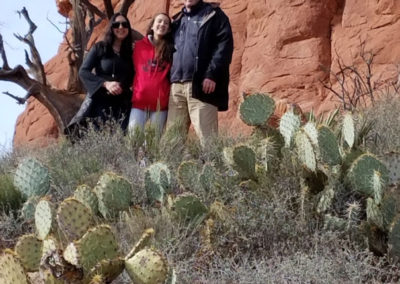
x=35 y=65
x=19 y=100
x=109 y=8
x=3 y=55
x=354 y=87
x=125 y=6
x=93 y=9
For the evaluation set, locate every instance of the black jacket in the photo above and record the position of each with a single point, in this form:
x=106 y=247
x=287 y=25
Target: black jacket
x=107 y=66
x=214 y=55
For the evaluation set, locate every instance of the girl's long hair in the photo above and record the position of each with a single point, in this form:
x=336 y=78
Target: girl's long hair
x=165 y=46
x=109 y=37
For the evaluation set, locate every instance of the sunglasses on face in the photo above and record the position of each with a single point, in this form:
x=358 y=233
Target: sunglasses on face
x=116 y=25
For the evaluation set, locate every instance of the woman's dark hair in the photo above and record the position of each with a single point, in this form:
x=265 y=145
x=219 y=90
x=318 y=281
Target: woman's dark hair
x=109 y=37
x=165 y=46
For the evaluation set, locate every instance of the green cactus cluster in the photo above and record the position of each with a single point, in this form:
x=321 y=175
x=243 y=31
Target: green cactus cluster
x=157 y=181
x=114 y=194
x=87 y=196
x=32 y=178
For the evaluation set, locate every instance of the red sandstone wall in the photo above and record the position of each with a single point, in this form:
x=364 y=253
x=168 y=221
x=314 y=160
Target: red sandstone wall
x=279 y=47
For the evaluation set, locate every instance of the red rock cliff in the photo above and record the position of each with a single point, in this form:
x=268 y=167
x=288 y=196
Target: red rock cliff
x=279 y=48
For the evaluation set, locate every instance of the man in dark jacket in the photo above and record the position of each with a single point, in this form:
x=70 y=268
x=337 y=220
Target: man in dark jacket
x=200 y=70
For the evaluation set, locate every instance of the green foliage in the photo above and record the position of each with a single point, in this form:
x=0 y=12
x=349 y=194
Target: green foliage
x=157 y=181
x=32 y=178
x=11 y=269
x=44 y=218
x=86 y=195
x=10 y=197
x=73 y=219
x=148 y=266
x=114 y=194
x=188 y=175
x=29 y=207
x=256 y=109
x=29 y=251
x=328 y=146
x=288 y=126
x=361 y=173
x=244 y=159
x=189 y=208
x=96 y=244
x=305 y=151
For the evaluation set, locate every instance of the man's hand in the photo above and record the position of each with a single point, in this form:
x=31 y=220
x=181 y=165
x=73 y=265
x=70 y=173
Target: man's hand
x=208 y=86
x=113 y=87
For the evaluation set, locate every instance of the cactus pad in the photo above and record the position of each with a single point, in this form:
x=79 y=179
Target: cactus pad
x=188 y=174
x=11 y=270
x=305 y=151
x=73 y=218
x=288 y=126
x=390 y=206
x=244 y=161
x=208 y=177
x=256 y=109
x=29 y=251
x=109 y=269
x=394 y=239
x=328 y=146
x=392 y=162
x=157 y=181
x=44 y=218
x=29 y=207
x=96 y=244
x=114 y=194
x=361 y=172
x=148 y=266
x=86 y=195
x=32 y=178
x=348 y=131
x=374 y=215
x=188 y=207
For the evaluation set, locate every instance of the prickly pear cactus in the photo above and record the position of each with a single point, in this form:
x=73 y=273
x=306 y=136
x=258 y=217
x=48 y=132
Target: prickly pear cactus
x=374 y=214
x=325 y=200
x=256 y=109
x=333 y=223
x=157 y=181
x=96 y=244
x=392 y=163
x=188 y=174
x=109 y=269
x=148 y=266
x=348 y=129
x=74 y=219
x=328 y=146
x=44 y=218
x=305 y=151
x=11 y=271
x=188 y=207
x=208 y=177
x=142 y=243
x=29 y=251
x=390 y=206
x=244 y=161
x=394 y=239
x=288 y=126
x=114 y=194
x=86 y=195
x=311 y=131
x=361 y=173
x=32 y=178
x=29 y=207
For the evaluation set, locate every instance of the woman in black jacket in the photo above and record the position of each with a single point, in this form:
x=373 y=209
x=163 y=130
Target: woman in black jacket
x=107 y=74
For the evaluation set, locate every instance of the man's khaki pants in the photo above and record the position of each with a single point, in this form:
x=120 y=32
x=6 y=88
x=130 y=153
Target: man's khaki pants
x=183 y=108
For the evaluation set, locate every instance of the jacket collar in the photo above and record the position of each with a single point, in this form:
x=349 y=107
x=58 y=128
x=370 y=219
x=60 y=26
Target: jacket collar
x=194 y=10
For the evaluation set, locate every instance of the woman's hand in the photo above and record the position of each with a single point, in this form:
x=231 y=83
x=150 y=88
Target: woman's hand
x=113 y=87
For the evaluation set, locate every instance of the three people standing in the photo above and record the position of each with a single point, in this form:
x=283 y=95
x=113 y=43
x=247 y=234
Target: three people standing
x=197 y=65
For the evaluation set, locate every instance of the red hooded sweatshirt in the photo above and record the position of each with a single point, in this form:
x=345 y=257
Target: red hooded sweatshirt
x=151 y=84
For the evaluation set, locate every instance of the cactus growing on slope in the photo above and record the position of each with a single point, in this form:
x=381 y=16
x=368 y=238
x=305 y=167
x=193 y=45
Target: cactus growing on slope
x=32 y=178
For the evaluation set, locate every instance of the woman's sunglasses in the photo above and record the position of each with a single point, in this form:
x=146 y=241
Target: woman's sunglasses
x=116 y=25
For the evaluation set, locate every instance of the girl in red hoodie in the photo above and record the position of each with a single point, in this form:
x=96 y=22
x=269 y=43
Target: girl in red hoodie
x=152 y=58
